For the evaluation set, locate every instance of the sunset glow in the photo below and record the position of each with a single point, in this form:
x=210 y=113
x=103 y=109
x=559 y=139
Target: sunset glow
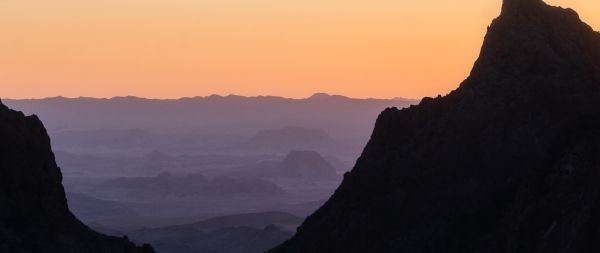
x=292 y=48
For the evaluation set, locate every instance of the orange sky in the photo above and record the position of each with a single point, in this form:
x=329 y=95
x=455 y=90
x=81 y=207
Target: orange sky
x=292 y=48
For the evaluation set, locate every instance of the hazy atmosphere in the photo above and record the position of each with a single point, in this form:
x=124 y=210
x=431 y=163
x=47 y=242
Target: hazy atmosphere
x=231 y=167
x=299 y=126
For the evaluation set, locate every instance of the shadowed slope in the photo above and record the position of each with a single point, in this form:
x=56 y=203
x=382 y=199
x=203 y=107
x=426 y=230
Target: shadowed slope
x=34 y=216
x=508 y=162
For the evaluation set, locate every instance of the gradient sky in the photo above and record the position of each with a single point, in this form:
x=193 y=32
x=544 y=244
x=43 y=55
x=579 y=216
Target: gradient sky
x=292 y=48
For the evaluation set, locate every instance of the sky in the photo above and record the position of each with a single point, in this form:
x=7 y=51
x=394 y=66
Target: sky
x=291 y=48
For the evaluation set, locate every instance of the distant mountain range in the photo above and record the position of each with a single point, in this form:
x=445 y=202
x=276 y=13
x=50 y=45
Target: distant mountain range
x=296 y=165
x=243 y=233
x=332 y=125
x=290 y=138
x=210 y=115
x=167 y=184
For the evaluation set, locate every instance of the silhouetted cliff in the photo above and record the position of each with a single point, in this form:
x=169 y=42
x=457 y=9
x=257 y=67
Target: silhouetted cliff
x=34 y=216
x=508 y=162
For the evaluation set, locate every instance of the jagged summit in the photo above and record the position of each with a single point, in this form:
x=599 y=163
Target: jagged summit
x=508 y=162
x=512 y=6
x=531 y=38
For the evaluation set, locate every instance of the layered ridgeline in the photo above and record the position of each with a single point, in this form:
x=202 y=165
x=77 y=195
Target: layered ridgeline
x=34 y=216
x=508 y=162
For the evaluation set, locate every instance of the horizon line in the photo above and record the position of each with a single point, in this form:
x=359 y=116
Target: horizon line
x=315 y=95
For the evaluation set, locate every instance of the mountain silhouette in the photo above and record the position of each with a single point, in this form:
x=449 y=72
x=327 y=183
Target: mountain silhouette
x=195 y=184
x=239 y=233
x=34 y=216
x=290 y=138
x=212 y=114
x=307 y=165
x=508 y=162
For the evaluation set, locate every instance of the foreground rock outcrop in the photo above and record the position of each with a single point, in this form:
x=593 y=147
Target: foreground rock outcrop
x=34 y=217
x=508 y=162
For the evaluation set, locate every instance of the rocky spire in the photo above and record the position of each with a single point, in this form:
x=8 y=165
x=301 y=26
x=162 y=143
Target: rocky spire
x=511 y=6
x=533 y=38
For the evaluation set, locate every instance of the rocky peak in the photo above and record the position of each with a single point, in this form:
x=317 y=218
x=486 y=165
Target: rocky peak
x=522 y=6
x=531 y=38
x=508 y=162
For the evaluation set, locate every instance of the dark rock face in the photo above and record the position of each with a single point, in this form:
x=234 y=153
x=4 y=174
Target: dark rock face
x=34 y=216
x=508 y=162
